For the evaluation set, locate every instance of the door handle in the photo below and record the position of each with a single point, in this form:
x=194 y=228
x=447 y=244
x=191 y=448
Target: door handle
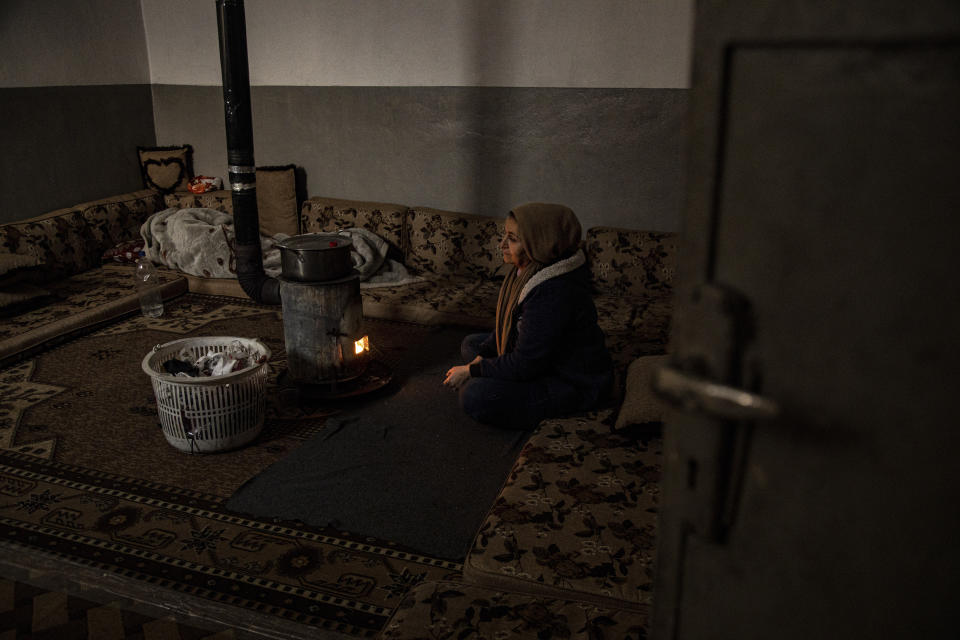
x=699 y=395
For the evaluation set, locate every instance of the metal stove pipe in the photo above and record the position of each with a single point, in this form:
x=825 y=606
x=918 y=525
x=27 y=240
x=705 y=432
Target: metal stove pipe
x=241 y=168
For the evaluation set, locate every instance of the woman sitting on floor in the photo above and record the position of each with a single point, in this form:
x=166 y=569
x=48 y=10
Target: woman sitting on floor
x=546 y=356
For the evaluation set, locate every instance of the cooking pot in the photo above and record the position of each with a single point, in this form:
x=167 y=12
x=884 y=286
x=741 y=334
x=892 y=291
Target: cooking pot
x=315 y=257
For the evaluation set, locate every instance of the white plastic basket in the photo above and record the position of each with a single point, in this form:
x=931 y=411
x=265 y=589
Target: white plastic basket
x=207 y=414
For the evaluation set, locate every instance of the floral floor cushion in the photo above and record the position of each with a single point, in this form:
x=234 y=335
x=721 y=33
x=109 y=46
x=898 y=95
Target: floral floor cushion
x=577 y=516
x=445 y=610
x=78 y=303
x=436 y=301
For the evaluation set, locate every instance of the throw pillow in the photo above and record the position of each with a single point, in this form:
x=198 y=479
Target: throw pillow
x=640 y=403
x=166 y=169
x=277 y=200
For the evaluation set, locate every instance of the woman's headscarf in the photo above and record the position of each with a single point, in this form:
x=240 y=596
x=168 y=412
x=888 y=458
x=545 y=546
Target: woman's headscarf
x=548 y=232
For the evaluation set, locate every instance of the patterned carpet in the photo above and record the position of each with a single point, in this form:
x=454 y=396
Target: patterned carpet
x=30 y=611
x=88 y=402
x=86 y=475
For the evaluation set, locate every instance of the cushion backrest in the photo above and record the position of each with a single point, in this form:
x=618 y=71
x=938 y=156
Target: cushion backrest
x=331 y=214
x=118 y=219
x=446 y=243
x=630 y=262
x=277 y=200
x=58 y=242
x=219 y=200
x=277 y=208
x=70 y=241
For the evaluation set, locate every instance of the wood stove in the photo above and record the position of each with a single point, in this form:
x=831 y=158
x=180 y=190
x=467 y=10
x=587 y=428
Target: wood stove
x=323 y=329
x=327 y=349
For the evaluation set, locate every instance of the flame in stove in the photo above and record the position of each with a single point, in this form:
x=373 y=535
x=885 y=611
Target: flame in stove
x=361 y=345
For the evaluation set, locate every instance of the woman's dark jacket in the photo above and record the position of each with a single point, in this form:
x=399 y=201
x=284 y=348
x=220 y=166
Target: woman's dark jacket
x=555 y=333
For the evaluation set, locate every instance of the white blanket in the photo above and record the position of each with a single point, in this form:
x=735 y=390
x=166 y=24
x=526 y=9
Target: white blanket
x=200 y=242
x=369 y=256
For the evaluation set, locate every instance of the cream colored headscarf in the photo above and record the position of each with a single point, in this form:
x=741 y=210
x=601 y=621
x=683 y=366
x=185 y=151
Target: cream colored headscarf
x=548 y=232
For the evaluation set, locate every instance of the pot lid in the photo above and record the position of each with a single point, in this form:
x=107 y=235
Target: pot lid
x=315 y=242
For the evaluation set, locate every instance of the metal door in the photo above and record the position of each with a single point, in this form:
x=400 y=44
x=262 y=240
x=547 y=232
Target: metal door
x=811 y=488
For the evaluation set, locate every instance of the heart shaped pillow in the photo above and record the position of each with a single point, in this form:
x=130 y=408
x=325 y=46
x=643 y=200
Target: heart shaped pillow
x=166 y=169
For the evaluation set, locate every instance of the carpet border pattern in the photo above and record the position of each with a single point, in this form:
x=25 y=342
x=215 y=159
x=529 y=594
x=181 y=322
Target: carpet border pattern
x=30 y=517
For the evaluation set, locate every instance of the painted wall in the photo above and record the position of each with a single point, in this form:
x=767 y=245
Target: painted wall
x=468 y=105
x=75 y=102
x=500 y=43
x=71 y=42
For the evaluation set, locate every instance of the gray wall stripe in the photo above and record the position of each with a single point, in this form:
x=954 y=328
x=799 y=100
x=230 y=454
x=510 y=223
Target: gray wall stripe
x=66 y=145
x=613 y=155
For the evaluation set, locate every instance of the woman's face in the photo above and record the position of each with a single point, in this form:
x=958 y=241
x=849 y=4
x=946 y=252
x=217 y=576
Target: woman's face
x=512 y=248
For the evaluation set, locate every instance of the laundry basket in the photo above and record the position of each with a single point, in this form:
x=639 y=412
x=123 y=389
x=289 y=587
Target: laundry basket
x=214 y=413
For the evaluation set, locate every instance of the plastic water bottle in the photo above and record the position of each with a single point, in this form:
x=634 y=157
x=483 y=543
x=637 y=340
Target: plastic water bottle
x=148 y=287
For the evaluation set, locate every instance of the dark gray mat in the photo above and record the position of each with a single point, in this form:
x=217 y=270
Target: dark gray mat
x=405 y=466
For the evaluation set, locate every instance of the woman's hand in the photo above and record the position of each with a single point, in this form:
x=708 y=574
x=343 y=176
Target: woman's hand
x=457 y=376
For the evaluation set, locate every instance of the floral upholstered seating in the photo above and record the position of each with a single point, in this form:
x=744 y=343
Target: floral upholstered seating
x=630 y=262
x=79 y=303
x=456 y=256
x=61 y=241
x=576 y=517
x=332 y=214
x=633 y=273
x=117 y=219
x=453 y=245
x=66 y=247
x=68 y=241
x=435 y=301
x=458 y=259
x=446 y=610
x=220 y=200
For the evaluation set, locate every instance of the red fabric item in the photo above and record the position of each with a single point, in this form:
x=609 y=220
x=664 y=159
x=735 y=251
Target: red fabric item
x=124 y=253
x=202 y=184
